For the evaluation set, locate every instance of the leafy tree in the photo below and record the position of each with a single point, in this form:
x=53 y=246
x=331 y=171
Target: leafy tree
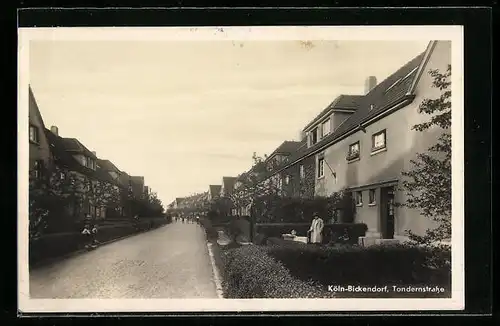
x=52 y=191
x=253 y=183
x=428 y=183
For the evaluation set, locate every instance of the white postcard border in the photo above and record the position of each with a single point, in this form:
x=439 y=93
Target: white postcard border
x=373 y=33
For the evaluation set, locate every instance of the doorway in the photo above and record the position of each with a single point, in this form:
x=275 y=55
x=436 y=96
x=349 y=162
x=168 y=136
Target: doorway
x=387 y=218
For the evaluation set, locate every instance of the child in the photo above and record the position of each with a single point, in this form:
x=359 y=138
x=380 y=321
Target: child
x=94 y=234
x=86 y=232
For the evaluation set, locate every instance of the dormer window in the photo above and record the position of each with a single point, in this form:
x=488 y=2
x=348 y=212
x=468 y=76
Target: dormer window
x=314 y=136
x=326 y=128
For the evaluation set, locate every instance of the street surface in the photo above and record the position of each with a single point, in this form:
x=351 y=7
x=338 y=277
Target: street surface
x=169 y=262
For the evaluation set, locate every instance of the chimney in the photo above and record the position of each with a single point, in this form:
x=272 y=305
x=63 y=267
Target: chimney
x=95 y=154
x=302 y=135
x=54 y=130
x=370 y=83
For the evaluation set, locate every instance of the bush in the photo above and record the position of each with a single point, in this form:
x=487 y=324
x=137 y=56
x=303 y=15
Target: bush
x=375 y=265
x=250 y=273
x=211 y=232
x=331 y=232
x=283 y=243
x=275 y=208
x=53 y=245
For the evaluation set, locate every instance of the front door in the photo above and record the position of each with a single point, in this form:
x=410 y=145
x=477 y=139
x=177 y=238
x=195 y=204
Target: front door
x=387 y=212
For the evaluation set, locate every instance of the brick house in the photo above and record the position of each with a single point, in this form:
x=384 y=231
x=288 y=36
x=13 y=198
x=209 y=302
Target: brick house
x=367 y=146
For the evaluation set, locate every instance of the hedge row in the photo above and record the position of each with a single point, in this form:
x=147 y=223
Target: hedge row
x=374 y=265
x=60 y=244
x=249 y=272
x=331 y=232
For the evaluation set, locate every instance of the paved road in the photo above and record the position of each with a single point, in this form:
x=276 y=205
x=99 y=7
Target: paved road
x=169 y=262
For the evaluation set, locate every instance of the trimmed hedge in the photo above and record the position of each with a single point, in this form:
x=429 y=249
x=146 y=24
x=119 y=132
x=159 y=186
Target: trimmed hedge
x=249 y=272
x=331 y=232
x=211 y=232
x=283 y=243
x=374 y=265
x=59 y=244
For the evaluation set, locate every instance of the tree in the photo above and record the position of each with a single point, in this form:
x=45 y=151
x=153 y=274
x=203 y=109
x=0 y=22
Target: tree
x=428 y=183
x=51 y=191
x=99 y=193
x=254 y=183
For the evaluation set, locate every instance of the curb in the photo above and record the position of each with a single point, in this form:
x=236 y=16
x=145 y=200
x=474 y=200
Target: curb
x=81 y=251
x=215 y=270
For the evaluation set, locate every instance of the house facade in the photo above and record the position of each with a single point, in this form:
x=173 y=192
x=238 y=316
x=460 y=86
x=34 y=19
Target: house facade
x=97 y=188
x=361 y=144
x=369 y=161
x=39 y=151
x=214 y=192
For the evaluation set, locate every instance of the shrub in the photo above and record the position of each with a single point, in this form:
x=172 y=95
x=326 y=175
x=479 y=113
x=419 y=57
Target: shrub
x=283 y=243
x=331 y=232
x=250 y=273
x=53 y=245
x=211 y=232
x=375 y=265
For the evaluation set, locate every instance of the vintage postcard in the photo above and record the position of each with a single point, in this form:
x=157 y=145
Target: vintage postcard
x=241 y=169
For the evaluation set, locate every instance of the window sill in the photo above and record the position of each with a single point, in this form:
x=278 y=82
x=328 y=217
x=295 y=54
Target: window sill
x=378 y=150
x=359 y=205
x=372 y=204
x=319 y=178
x=352 y=160
x=34 y=143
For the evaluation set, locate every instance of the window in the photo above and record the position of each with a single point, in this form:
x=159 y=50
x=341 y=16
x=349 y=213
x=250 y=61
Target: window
x=302 y=172
x=371 y=197
x=359 y=198
x=326 y=128
x=33 y=134
x=353 y=151
x=37 y=169
x=314 y=136
x=280 y=183
x=321 y=167
x=287 y=179
x=378 y=140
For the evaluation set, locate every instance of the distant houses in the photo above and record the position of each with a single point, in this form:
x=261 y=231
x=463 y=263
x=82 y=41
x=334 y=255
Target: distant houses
x=104 y=190
x=359 y=144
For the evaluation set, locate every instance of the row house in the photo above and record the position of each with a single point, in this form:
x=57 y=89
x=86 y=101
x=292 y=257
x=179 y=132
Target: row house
x=48 y=150
x=214 y=192
x=362 y=143
x=39 y=150
x=74 y=158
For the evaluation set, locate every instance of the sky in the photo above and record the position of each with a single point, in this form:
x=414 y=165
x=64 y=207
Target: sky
x=183 y=114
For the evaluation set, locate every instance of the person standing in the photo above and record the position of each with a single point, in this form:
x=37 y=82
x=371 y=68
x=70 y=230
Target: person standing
x=316 y=230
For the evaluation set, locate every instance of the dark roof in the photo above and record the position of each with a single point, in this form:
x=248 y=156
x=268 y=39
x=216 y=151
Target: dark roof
x=287 y=147
x=73 y=144
x=66 y=159
x=345 y=102
x=228 y=182
x=107 y=165
x=393 y=89
x=215 y=189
